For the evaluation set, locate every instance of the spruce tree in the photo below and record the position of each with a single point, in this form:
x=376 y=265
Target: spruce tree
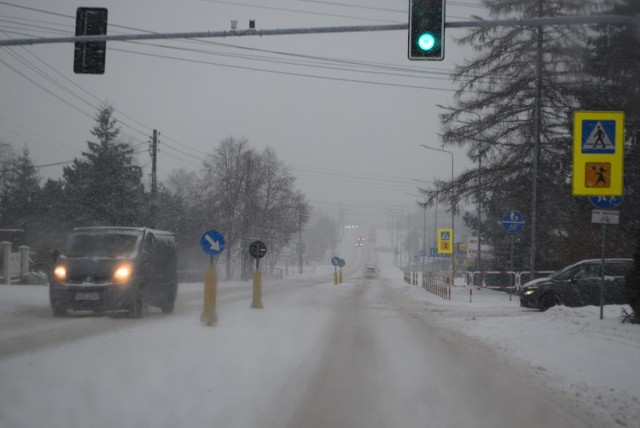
x=105 y=186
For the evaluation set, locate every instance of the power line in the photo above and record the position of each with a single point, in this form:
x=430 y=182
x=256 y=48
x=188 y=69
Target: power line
x=257 y=6
x=285 y=73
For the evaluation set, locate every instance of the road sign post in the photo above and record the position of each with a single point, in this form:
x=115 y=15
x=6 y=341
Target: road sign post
x=513 y=222
x=335 y=261
x=257 y=250
x=604 y=215
x=212 y=243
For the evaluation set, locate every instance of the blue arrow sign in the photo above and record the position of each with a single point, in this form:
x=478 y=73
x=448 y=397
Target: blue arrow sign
x=513 y=221
x=605 y=202
x=212 y=242
x=335 y=261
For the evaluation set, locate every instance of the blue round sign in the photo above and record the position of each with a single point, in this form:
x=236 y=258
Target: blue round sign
x=335 y=261
x=605 y=202
x=212 y=242
x=513 y=221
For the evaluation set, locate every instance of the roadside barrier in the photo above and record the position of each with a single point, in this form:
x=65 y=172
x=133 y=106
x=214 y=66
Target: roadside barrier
x=436 y=284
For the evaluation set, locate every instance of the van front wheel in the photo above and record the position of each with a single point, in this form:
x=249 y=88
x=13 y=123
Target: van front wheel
x=168 y=305
x=58 y=311
x=136 y=307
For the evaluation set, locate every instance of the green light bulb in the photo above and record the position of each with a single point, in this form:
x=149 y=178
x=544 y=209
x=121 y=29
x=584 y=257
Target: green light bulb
x=426 y=41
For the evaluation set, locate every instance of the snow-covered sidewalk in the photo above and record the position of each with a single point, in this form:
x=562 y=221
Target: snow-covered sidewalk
x=570 y=349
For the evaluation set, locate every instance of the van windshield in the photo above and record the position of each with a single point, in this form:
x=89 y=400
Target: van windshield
x=113 y=245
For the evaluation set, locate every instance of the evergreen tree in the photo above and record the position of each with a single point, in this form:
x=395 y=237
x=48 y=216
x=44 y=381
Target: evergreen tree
x=105 y=187
x=20 y=193
x=632 y=283
x=523 y=79
x=613 y=66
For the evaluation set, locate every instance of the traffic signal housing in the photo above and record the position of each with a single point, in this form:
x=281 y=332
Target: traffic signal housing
x=89 y=57
x=426 y=29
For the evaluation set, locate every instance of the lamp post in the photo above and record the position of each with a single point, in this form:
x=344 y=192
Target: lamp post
x=453 y=213
x=479 y=196
x=424 y=229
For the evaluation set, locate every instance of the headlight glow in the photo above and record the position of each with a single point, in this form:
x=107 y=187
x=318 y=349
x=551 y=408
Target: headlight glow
x=60 y=272
x=530 y=291
x=122 y=273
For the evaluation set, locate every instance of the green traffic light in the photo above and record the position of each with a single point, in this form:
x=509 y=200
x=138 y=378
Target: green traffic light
x=426 y=42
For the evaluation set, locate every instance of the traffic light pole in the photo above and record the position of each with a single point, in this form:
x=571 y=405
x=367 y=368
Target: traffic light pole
x=557 y=20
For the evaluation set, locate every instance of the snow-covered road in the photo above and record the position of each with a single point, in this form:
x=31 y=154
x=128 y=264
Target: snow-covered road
x=376 y=353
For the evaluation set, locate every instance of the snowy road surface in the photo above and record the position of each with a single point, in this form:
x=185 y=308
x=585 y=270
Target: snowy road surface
x=359 y=354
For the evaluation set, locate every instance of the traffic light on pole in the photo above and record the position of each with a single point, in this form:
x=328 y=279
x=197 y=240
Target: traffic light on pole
x=89 y=57
x=426 y=30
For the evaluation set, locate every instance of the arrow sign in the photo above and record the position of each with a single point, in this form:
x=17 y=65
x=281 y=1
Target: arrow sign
x=212 y=242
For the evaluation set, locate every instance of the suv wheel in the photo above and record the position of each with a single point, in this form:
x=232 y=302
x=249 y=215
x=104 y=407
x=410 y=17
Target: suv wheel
x=549 y=300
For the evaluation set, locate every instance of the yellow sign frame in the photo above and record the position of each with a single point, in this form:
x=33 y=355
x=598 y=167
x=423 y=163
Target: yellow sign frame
x=445 y=246
x=582 y=180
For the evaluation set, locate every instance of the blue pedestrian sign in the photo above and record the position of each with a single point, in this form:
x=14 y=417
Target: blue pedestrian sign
x=605 y=202
x=599 y=136
x=212 y=242
x=513 y=221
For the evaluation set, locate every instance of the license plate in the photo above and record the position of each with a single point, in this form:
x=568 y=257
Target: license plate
x=87 y=296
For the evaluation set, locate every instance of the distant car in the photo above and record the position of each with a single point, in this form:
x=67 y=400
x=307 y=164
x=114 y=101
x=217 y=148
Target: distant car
x=579 y=285
x=370 y=271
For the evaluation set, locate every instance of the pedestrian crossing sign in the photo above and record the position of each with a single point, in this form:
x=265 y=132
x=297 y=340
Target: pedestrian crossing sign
x=598 y=158
x=445 y=241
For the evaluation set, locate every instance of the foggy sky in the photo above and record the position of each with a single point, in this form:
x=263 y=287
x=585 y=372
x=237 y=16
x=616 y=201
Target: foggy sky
x=352 y=137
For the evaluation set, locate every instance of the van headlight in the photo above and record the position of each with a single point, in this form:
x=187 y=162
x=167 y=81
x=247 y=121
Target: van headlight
x=60 y=273
x=122 y=274
x=530 y=290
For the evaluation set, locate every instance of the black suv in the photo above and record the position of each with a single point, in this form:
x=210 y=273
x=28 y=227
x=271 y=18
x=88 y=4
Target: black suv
x=115 y=268
x=579 y=285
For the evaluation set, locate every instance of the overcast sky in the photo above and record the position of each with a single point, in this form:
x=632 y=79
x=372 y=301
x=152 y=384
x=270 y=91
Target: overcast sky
x=347 y=112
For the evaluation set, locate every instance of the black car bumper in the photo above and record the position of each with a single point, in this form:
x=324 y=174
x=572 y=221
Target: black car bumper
x=529 y=301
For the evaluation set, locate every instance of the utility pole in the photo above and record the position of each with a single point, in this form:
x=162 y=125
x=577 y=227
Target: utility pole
x=154 y=180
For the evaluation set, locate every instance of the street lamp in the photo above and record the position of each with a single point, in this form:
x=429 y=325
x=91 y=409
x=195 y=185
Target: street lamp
x=453 y=212
x=479 y=228
x=424 y=229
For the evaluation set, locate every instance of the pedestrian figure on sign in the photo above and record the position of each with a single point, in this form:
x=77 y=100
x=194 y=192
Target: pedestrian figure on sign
x=601 y=176
x=599 y=138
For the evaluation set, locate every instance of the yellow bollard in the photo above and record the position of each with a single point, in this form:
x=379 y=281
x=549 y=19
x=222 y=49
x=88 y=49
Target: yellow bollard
x=335 y=277
x=340 y=276
x=257 y=290
x=209 y=315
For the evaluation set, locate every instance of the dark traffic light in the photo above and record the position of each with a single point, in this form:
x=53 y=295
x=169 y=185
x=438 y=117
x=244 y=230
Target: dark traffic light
x=426 y=29
x=89 y=57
